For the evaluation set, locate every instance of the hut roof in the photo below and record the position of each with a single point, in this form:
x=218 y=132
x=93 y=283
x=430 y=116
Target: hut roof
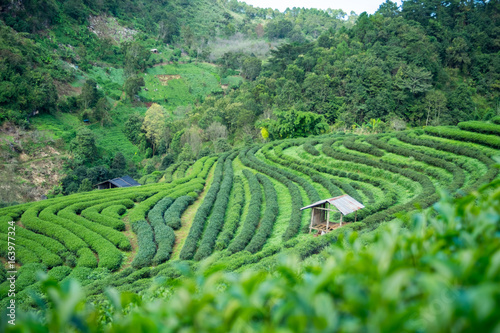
x=344 y=203
x=124 y=181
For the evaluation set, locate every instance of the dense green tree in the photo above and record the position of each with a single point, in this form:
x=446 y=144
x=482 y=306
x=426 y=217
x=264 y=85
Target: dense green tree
x=251 y=68
x=84 y=145
x=119 y=162
x=133 y=85
x=133 y=128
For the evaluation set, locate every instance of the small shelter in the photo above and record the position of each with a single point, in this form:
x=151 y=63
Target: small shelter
x=125 y=181
x=154 y=50
x=320 y=213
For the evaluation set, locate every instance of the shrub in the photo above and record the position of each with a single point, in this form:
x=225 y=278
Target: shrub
x=173 y=214
x=270 y=214
x=216 y=220
x=145 y=241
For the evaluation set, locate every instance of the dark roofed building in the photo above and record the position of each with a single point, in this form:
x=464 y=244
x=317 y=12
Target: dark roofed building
x=125 y=181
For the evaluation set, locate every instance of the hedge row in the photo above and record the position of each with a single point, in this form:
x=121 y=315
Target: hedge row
x=115 y=237
x=480 y=127
x=389 y=199
x=169 y=172
x=350 y=143
x=173 y=214
x=496 y=120
x=191 y=242
x=233 y=215
x=311 y=172
x=456 y=134
x=216 y=220
x=116 y=210
x=181 y=170
x=269 y=217
x=47 y=257
x=31 y=221
x=458 y=150
x=253 y=215
x=309 y=147
x=458 y=174
x=20 y=253
x=109 y=256
x=306 y=185
x=86 y=258
x=92 y=213
x=163 y=234
x=248 y=158
x=145 y=242
x=426 y=198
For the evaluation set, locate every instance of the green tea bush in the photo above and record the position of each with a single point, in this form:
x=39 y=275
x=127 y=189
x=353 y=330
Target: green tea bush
x=248 y=158
x=216 y=220
x=163 y=234
x=443 y=298
x=270 y=214
x=173 y=214
x=350 y=143
x=233 y=215
x=480 y=127
x=309 y=147
x=253 y=215
x=116 y=211
x=86 y=258
x=496 y=120
x=145 y=241
x=456 y=134
x=191 y=243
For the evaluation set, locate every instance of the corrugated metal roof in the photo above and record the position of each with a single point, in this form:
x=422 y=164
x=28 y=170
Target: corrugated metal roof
x=344 y=203
x=125 y=181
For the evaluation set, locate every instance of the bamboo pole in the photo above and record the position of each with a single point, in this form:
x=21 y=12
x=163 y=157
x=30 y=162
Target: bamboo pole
x=328 y=218
x=312 y=219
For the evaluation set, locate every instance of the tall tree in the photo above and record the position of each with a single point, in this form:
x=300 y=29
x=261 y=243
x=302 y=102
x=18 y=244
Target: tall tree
x=154 y=124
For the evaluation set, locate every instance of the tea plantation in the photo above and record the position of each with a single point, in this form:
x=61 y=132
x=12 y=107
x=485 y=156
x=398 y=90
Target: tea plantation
x=241 y=210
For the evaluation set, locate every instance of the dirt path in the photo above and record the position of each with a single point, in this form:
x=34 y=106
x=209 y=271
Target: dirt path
x=133 y=242
x=188 y=216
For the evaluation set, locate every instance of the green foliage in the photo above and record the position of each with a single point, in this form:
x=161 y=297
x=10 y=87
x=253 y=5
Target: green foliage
x=84 y=145
x=252 y=218
x=267 y=221
x=216 y=220
x=198 y=224
x=145 y=241
x=173 y=214
x=311 y=286
x=481 y=127
x=293 y=124
x=233 y=215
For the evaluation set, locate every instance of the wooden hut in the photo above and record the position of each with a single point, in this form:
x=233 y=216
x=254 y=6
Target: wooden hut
x=321 y=211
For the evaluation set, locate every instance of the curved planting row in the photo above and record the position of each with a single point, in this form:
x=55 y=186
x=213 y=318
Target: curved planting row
x=480 y=127
x=252 y=218
x=233 y=215
x=216 y=220
x=456 y=134
x=197 y=227
x=247 y=158
x=266 y=224
x=173 y=214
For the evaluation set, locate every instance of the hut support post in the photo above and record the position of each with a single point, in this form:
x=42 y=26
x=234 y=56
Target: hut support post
x=328 y=217
x=312 y=220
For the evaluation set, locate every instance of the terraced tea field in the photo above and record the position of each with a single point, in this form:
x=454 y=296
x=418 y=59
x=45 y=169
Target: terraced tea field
x=241 y=208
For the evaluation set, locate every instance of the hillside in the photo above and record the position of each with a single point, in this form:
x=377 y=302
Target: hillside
x=233 y=118
x=247 y=209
